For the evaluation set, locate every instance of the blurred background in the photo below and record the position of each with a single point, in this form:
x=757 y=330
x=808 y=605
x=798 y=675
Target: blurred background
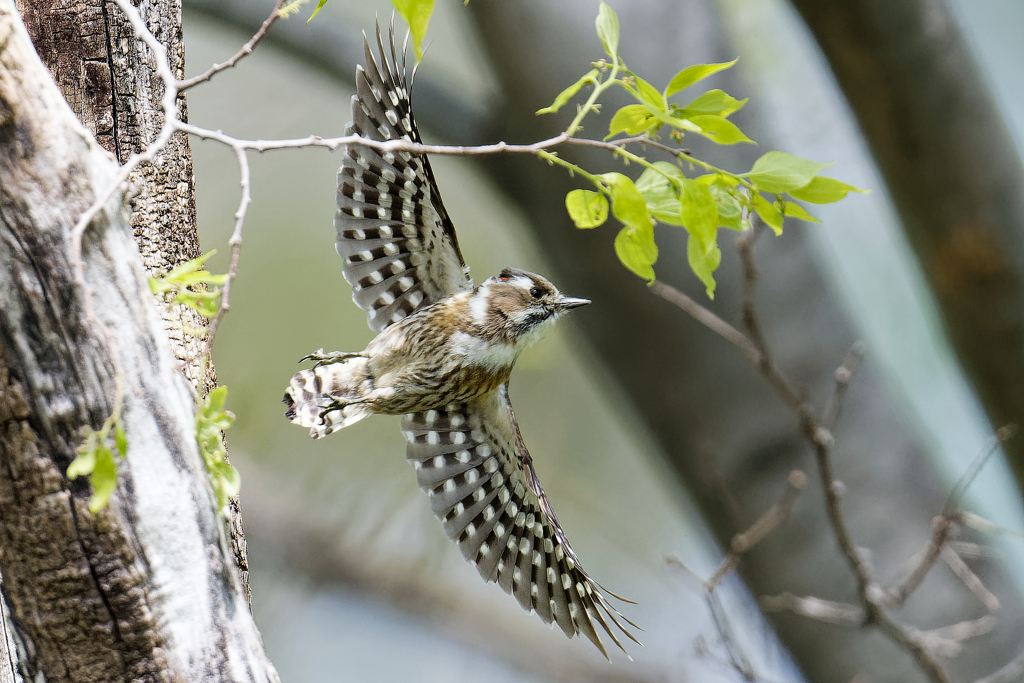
x=653 y=438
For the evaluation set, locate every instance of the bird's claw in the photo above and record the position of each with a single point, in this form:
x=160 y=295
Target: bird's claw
x=322 y=358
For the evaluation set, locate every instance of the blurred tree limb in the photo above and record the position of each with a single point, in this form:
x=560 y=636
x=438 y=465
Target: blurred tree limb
x=953 y=171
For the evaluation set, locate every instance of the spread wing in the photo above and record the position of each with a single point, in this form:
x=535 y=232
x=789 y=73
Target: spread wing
x=394 y=234
x=472 y=463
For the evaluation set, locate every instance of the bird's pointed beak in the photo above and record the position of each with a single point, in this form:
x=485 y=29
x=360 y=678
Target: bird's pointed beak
x=568 y=302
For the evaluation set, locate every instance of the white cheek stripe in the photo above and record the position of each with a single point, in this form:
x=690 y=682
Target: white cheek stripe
x=479 y=305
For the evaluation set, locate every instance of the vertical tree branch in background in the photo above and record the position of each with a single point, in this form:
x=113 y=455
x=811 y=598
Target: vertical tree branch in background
x=953 y=171
x=144 y=589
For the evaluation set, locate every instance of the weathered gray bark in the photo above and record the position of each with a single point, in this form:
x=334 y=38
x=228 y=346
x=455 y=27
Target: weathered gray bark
x=953 y=172
x=146 y=589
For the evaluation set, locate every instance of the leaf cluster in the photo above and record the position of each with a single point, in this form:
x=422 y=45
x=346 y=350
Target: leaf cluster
x=211 y=423
x=663 y=193
x=95 y=459
x=190 y=285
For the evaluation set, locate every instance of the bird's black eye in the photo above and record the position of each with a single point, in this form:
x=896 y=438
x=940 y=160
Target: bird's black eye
x=535 y=292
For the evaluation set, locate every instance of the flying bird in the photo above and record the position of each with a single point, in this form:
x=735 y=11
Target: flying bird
x=442 y=359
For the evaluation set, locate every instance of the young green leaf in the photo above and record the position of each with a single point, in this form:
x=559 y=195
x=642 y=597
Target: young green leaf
x=699 y=212
x=794 y=210
x=824 y=190
x=103 y=479
x=637 y=250
x=120 y=439
x=318 y=6
x=607 y=24
x=632 y=119
x=714 y=103
x=768 y=213
x=721 y=130
x=692 y=74
x=587 y=209
x=660 y=192
x=567 y=94
x=84 y=462
x=628 y=204
x=779 y=172
x=650 y=95
x=730 y=212
x=417 y=14
x=704 y=260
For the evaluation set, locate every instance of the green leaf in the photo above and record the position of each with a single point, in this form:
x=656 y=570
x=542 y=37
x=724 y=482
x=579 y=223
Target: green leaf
x=417 y=14
x=823 y=190
x=714 y=103
x=798 y=212
x=634 y=244
x=231 y=481
x=660 y=192
x=318 y=6
x=637 y=251
x=628 y=204
x=650 y=95
x=768 y=213
x=632 y=119
x=215 y=400
x=607 y=24
x=704 y=260
x=587 y=209
x=103 y=479
x=120 y=439
x=692 y=74
x=699 y=212
x=567 y=94
x=779 y=172
x=730 y=211
x=83 y=464
x=721 y=130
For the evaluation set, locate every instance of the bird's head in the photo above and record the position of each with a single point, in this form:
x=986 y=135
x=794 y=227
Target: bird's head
x=518 y=306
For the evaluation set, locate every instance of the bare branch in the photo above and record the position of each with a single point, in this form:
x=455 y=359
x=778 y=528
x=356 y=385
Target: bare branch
x=236 y=249
x=841 y=613
x=970 y=579
x=708 y=319
x=948 y=641
x=243 y=52
x=844 y=373
x=942 y=531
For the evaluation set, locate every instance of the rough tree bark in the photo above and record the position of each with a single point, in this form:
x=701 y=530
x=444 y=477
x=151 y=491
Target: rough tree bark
x=953 y=172
x=109 y=79
x=146 y=589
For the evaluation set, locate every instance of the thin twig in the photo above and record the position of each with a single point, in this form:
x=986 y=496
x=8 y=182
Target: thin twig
x=236 y=250
x=970 y=579
x=944 y=526
x=828 y=611
x=243 y=52
x=708 y=319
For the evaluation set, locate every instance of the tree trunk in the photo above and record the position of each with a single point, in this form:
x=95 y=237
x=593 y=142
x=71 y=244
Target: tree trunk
x=146 y=588
x=953 y=172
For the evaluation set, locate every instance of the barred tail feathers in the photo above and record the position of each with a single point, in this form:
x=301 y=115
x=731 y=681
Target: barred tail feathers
x=311 y=393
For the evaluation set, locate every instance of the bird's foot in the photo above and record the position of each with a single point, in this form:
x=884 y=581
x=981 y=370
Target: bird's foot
x=336 y=404
x=322 y=358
